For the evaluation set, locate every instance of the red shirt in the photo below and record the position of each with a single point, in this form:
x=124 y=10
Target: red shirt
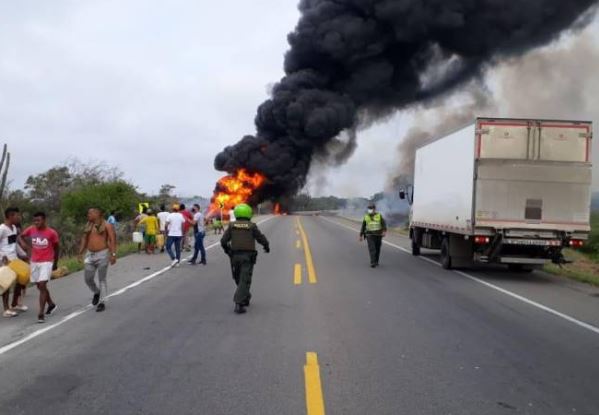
x=189 y=217
x=43 y=242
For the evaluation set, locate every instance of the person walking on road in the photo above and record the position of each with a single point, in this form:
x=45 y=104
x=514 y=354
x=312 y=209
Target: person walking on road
x=42 y=245
x=217 y=225
x=199 y=234
x=373 y=229
x=162 y=215
x=239 y=242
x=185 y=244
x=8 y=253
x=174 y=228
x=151 y=225
x=98 y=244
x=143 y=214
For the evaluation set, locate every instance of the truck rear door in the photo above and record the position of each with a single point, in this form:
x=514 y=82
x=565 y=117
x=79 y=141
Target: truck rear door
x=533 y=174
x=503 y=139
x=563 y=141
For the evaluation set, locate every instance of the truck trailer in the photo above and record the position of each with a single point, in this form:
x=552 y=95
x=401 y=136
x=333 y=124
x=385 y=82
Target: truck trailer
x=505 y=191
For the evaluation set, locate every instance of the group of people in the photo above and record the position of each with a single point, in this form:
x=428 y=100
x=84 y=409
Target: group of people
x=173 y=228
x=39 y=246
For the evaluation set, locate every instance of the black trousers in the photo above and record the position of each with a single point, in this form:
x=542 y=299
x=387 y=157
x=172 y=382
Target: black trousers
x=374 y=247
x=242 y=265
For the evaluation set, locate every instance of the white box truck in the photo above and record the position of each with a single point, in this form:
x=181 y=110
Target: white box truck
x=508 y=191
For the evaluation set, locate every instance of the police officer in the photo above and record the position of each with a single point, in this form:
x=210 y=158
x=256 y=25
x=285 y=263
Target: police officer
x=239 y=242
x=373 y=229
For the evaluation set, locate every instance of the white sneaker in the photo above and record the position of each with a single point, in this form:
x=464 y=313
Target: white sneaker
x=178 y=264
x=20 y=308
x=174 y=263
x=10 y=313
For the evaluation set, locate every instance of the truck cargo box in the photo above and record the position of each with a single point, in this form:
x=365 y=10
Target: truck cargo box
x=518 y=182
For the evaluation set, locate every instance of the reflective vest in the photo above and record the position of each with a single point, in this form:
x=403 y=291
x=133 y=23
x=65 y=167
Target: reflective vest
x=242 y=236
x=374 y=223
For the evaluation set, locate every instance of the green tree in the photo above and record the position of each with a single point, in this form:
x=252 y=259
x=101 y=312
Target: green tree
x=165 y=194
x=46 y=189
x=118 y=196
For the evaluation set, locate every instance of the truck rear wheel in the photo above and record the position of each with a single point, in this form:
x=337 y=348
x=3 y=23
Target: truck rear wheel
x=415 y=248
x=445 y=257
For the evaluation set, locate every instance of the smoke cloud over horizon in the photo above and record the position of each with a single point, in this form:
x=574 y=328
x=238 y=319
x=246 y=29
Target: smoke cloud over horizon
x=547 y=83
x=354 y=62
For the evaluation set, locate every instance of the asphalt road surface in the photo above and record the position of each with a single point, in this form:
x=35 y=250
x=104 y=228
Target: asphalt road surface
x=324 y=333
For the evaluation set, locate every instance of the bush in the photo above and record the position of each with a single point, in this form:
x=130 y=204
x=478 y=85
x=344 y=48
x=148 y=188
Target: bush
x=117 y=196
x=592 y=245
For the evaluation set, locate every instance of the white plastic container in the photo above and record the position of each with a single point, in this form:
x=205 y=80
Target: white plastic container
x=138 y=237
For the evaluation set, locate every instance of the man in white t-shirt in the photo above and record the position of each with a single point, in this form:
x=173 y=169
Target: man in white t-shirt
x=162 y=215
x=8 y=252
x=175 y=222
x=199 y=234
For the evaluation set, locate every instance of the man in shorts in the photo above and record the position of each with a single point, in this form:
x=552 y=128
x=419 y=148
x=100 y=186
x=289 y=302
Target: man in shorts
x=42 y=244
x=150 y=224
x=99 y=246
x=143 y=214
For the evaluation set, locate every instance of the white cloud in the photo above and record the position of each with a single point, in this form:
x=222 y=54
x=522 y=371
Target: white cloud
x=156 y=88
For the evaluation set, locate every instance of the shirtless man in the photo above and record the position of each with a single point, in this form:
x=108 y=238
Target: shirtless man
x=99 y=246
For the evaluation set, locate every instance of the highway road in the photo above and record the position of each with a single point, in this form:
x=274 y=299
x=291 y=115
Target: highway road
x=324 y=333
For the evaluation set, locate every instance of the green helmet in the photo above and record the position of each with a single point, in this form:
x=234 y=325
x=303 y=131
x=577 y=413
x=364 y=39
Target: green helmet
x=243 y=211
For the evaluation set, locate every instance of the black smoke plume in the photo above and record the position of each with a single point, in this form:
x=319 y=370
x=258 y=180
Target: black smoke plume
x=353 y=61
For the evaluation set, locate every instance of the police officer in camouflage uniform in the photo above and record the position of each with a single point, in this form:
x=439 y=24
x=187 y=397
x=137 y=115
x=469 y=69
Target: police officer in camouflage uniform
x=239 y=242
x=373 y=229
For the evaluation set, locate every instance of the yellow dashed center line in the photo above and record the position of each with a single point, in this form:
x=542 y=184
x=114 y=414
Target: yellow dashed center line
x=314 y=399
x=298 y=244
x=297 y=274
x=309 y=263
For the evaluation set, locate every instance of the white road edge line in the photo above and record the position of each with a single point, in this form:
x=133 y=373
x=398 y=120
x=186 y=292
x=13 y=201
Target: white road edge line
x=88 y=307
x=525 y=300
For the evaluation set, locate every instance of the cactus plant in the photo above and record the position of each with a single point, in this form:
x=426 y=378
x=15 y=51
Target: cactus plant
x=4 y=165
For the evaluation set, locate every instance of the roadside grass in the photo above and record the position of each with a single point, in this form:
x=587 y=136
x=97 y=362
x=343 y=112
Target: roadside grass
x=585 y=267
x=72 y=264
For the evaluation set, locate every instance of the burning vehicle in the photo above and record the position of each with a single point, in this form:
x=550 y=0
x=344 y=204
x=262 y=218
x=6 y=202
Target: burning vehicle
x=352 y=63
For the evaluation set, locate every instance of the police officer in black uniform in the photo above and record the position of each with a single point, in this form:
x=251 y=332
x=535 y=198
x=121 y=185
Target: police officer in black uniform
x=239 y=242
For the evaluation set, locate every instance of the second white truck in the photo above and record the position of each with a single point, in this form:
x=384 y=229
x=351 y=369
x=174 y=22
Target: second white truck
x=508 y=191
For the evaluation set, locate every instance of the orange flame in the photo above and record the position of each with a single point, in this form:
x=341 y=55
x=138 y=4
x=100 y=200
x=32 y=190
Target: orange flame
x=234 y=189
x=277 y=209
